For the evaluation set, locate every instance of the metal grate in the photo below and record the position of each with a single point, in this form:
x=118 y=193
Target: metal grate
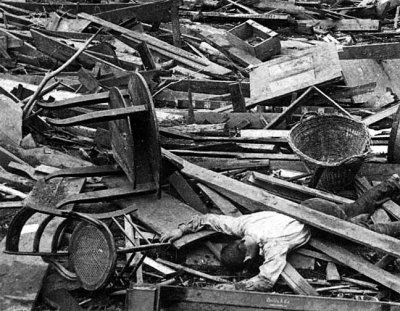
x=92 y=255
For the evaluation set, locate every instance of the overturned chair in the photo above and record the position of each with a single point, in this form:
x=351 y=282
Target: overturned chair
x=89 y=254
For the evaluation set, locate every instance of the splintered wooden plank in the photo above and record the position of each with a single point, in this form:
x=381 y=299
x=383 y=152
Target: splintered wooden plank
x=223 y=204
x=162 y=47
x=186 y=192
x=296 y=282
x=292 y=191
x=357 y=263
x=385 y=73
x=289 y=74
x=332 y=273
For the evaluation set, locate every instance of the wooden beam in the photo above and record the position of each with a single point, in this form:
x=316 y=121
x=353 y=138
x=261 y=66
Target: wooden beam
x=186 y=298
x=296 y=282
x=357 y=263
x=285 y=188
x=379 y=51
x=255 y=199
x=226 y=207
x=186 y=192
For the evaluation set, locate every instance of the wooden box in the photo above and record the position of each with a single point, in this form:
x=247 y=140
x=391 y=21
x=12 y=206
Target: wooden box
x=255 y=39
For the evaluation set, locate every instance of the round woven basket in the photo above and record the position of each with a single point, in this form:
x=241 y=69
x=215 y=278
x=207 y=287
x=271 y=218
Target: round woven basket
x=336 y=143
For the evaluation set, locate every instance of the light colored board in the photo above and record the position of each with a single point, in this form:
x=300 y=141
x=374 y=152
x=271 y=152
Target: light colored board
x=332 y=273
x=289 y=74
x=296 y=282
x=222 y=203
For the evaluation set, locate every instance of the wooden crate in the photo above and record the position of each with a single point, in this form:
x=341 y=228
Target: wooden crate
x=242 y=35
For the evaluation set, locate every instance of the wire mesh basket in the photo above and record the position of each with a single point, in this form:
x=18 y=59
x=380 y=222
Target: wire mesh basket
x=335 y=143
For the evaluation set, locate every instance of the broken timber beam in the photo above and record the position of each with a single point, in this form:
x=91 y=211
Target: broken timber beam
x=357 y=263
x=255 y=199
x=162 y=47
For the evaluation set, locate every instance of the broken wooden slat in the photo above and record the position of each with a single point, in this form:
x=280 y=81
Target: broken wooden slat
x=192 y=271
x=238 y=155
x=265 y=19
x=205 y=86
x=167 y=272
x=296 y=282
x=106 y=115
x=162 y=47
x=332 y=274
x=357 y=263
x=304 y=193
x=219 y=201
x=186 y=192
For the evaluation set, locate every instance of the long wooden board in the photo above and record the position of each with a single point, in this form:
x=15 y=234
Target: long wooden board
x=184 y=298
x=357 y=263
x=255 y=199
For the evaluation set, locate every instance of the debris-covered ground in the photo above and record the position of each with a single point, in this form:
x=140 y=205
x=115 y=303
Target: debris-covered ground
x=161 y=111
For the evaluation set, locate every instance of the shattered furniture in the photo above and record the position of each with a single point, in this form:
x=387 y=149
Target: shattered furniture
x=91 y=251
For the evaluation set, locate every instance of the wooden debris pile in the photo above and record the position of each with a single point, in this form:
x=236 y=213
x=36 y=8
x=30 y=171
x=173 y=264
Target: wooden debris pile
x=212 y=87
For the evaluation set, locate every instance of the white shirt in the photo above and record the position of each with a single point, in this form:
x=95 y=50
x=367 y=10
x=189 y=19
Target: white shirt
x=276 y=235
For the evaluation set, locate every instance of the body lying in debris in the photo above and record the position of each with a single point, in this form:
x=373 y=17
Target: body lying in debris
x=273 y=235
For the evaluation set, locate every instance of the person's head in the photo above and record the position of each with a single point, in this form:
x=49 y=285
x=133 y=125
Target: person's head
x=239 y=253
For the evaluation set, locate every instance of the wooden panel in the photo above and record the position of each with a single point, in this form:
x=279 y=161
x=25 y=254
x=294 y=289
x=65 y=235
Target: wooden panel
x=288 y=74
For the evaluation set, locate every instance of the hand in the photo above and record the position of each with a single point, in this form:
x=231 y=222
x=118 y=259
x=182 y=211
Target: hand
x=171 y=236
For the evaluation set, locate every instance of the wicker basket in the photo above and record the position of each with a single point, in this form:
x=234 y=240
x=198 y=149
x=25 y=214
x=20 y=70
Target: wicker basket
x=336 y=143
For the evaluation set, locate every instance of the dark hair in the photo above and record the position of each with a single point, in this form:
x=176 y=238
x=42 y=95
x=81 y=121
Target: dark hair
x=232 y=255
